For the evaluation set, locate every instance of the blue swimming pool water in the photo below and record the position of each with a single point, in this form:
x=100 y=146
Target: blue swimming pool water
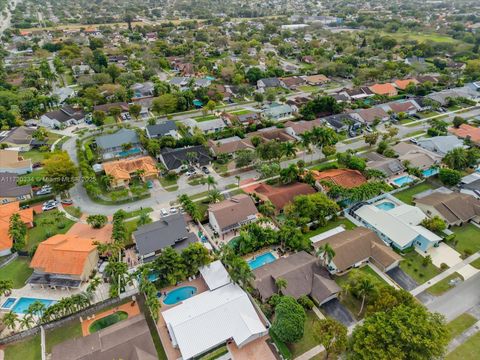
x=129 y=152
x=403 y=180
x=23 y=303
x=385 y=206
x=261 y=260
x=8 y=303
x=179 y=294
x=430 y=172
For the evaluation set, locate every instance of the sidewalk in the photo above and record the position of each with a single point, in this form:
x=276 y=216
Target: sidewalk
x=384 y=276
x=460 y=339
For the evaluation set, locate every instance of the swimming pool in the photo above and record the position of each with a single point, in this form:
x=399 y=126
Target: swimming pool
x=261 y=260
x=385 y=205
x=179 y=294
x=133 y=151
x=8 y=303
x=23 y=303
x=403 y=180
x=430 y=172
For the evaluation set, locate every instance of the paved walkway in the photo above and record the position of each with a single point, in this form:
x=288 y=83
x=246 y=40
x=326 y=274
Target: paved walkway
x=384 y=276
x=460 y=339
x=444 y=274
x=311 y=353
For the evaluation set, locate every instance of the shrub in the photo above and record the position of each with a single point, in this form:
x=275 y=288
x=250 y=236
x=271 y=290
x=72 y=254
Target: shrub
x=443 y=266
x=306 y=302
x=289 y=320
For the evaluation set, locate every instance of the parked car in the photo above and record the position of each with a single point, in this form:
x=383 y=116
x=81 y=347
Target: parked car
x=149 y=184
x=190 y=173
x=44 y=190
x=164 y=212
x=205 y=170
x=173 y=210
x=49 y=205
x=67 y=201
x=368 y=129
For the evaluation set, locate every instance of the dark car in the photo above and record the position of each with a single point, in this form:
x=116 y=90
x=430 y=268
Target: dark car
x=205 y=170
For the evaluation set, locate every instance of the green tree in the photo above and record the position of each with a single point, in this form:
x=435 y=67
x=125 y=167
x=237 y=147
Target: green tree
x=165 y=104
x=98 y=117
x=143 y=219
x=267 y=208
x=60 y=171
x=289 y=320
x=194 y=256
x=210 y=181
x=281 y=284
x=97 y=221
x=326 y=253
x=214 y=196
x=211 y=105
x=135 y=110
x=449 y=177
x=17 y=231
x=5 y=287
x=372 y=138
x=332 y=335
x=434 y=224
x=456 y=159
x=10 y=320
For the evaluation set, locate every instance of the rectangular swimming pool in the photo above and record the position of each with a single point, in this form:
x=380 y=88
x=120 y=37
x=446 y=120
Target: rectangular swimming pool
x=8 y=303
x=430 y=172
x=403 y=180
x=23 y=303
x=261 y=260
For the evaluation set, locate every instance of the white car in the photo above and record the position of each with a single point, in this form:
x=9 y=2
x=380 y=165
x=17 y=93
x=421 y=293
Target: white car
x=173 y=210
x=44 y=190
x=164 y=212
x=49 y=205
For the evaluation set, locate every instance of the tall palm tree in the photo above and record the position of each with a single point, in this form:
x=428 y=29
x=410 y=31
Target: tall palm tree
x=143 y=219
x=326 y=253
x=36 y=309
x=289 y=149
x=238 y=180
x=210 y=181
x=306 y=141
x=365 y=288
x=93 y=285
x=10 y=320
x=26 y=321
x=214 y=196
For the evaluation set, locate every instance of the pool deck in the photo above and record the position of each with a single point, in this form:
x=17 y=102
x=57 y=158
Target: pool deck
x=128 y=308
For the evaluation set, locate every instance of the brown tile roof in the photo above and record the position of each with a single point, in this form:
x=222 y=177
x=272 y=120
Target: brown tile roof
x=465 y=131
x=370 y=115
x=274 y=133
x=453 y=207
x=234 y=210
x=293 y=81
x=6 y=212
x=10 y=159
x=384 y=89
x=359 y=244
x=281 y=195
x=304 y=276
x=346 y=178
x=221 y=147
x=303 y=125
x=317 y=79
x=404 y=106
x=63 y=254
x=124 y=169
x=402 y=84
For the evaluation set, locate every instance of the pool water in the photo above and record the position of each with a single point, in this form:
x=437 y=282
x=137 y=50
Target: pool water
x=179 y=294
x=430 y=172
x=8 y=303
x=129 y=152
x=385 y=206
x=261 y=260
x=23 y=303
x=403 y=180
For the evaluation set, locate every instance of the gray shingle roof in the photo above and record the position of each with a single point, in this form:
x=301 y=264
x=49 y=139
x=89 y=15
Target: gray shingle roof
x=161 y=129
x=122 y=136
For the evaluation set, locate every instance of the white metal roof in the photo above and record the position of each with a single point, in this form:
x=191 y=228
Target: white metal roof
x=215 y=275
x=326 y=234
x=211 y=318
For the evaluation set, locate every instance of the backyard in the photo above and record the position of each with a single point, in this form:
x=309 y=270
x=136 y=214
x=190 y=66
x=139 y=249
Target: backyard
x=47 y=224
x=347 y=224
x=414 y=266
x=407 y=195
x=17 y=271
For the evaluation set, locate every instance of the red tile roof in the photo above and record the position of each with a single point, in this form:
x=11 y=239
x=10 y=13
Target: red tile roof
x=465 y=131
x=280 y=195
x=346 y=178
x=384 y=89
x=6 y=211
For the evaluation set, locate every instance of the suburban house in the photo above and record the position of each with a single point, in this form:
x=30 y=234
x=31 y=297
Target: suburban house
x=398 y=227
x=165 y=128
x=123 y=143
x=10 y=191
x=396 y=107
x=123 y=106
x=122 y=171
x=18 y=138
x=303 y=274
x=403 y=84
x=297 y=128
x=341 y=122
x=223 y=313
x=384 y=89
x=206 y=127
x=292 y=82
x=357 y=93
x=229 y=145
x=316 y=80
x=354 y=248
x=6 y=212
x=279 y=196
x=244 y=119
x=368 y=116
x=141 y=90
x=442 y=97
x=416 y=156
x=179 y=159
x=169 y=231
x=12 y=162
x=63 y=93
x=278 y=112
x=466 y=131
x=63 y=260
x=440 y=145
x=271 y=133
x=346 y=178
x=64 y=117
x=266 y=83
x=470 y=185
x=389 y=166
x=454 y=208
x=230 y=214
x=127 y=339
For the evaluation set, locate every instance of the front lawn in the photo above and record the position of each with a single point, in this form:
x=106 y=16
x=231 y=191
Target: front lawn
x=35 y=178
x=308 y=341
x=130 y=226
x=47 y=224
x=468 y=350
x=444 y=285
x=17 y=271
x=347 y=224
x=168 y=182
x=460 y=324
x=413 y=266
x=467 y=239
x=75 y=211
x=407 y=195
x=205 y=118
x=476 y=264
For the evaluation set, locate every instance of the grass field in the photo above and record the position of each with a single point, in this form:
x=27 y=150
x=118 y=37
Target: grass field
x=56 y=336
x=421 y=37
x=468 y=350
x=443 y=286
x=468 y=237
x=413 y=266
x=35 y=155
x=204 y=118
x=460 y=324
x=47 y=224
x=407 y=195
x=17 y=271
x=25 y=350
x=347 y=224
x=73 y=210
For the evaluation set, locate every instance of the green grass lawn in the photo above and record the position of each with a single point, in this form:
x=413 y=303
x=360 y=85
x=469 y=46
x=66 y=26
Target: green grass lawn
x=29 y=349
x=309 y=88
x=73 y=210
x=414 y=133
x=167 y=182
x=468 y=350
x=47 y=224
x=204 y=118
x=131 y=226
x=407 y=195
x=138 y=212
x=460 y=324
x=427 y=114
x=109 y=120
x=35 y=155
x=107 y=321
x=467 y=237
x=308 y=341
x=66 y=332
x=413 y=266
x=240 y=112
x=476 y=264
x=421 y=37
x=443 y=286
x=17 y=271
x=347 y=224
x=35 y=178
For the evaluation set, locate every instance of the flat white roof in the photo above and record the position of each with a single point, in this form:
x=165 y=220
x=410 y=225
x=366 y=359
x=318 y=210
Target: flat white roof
x=215 y=275
x=209 y=319
x=326 y=234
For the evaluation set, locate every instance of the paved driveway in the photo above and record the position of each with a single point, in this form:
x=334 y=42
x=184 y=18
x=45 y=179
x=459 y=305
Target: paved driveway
x=336 y=310
x=402 y=279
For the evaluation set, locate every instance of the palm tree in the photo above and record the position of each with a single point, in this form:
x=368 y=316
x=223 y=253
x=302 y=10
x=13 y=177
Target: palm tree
x=36 y=309
x=289 y=149
x=26 y=321
x=306 y=141
x=139 y=173
x=10 y=320
x=365 y=288
x=214 y=196
x=210 y=181
x=107 y=180
x=326 y=253
x=6 y=287
x=143 y=219
x=93 y=285
x=281 y=284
